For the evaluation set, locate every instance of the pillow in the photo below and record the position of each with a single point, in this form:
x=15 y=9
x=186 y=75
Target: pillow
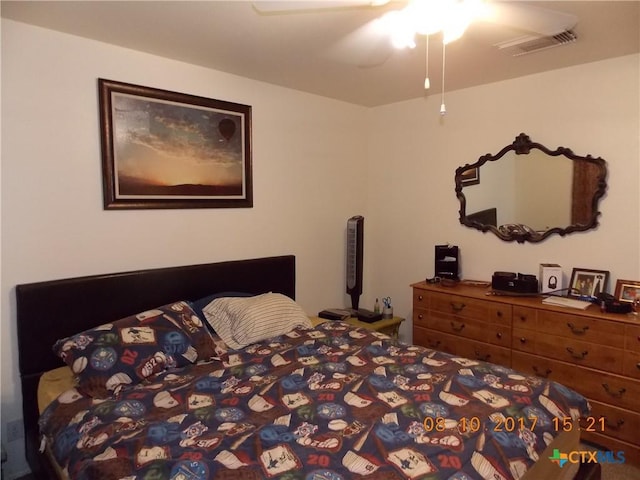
x=52 y=384
x=198 y=305
x=127 y=351
x=243 y=321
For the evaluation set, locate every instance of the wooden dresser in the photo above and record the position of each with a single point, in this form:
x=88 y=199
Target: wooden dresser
x=595 y=353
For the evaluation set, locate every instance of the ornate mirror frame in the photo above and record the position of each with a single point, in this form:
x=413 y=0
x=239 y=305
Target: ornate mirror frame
x=522 y=145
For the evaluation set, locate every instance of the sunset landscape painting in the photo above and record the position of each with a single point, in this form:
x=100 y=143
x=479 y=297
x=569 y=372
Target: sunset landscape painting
x=166 y=153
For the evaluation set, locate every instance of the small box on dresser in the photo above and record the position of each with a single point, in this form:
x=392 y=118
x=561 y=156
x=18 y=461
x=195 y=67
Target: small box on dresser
x=551 y=278
x=597 y=354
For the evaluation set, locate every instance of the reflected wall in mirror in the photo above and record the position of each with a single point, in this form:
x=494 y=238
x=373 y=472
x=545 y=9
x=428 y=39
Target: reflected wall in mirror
x=529 y=192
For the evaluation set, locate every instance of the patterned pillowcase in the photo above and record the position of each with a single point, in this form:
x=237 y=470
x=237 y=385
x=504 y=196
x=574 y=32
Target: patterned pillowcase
x=125 y=352
x=243 y=321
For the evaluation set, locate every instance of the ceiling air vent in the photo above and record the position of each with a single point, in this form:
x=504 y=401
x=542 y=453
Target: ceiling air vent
x=532 y=43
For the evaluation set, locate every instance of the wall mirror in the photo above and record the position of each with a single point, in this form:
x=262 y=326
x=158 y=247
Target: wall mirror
x=527 y=192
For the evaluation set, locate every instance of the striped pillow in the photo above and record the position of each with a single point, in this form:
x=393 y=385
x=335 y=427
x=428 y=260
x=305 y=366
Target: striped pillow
x=243 y=321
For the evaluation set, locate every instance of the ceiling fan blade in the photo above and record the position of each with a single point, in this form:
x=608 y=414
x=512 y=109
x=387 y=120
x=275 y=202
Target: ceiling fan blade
x=530 y=18
x=269 y=7
x=365 y=47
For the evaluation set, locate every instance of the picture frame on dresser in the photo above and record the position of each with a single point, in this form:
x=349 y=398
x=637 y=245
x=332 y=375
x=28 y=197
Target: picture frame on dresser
x=586 y=282
x=627 y=291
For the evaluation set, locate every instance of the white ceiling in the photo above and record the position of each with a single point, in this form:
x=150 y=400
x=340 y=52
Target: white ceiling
x=299 y=50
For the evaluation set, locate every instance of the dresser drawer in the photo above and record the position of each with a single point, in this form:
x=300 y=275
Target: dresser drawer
x=593 y=384
x=618 y=423
x=420 y=317
x=499 y=335
x=470 y=328
x=466 y=307
x=421 y=298
x=581 y=328
x=455 y=325
x=581 y=353
x=632 y=338
x=487 y=353
x=525 y=317
x=435 y=340
x=462 y=347
x=524 y=340
x=567 y=350
x=632 y=366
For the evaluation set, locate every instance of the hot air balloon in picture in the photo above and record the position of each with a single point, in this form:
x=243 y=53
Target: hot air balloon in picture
x=227 y=128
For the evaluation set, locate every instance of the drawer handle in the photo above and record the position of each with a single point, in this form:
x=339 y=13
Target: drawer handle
x=523 y=318
x=615 y=426
x=499 y=314
x=577 y=330
x=617 y=394
x=483 y=358
x=420 y=298
x=523 y=340
x=457 y=328
x=457 y=307
x=435 y=344
x=420 y=316
x=577 y=356
x=638 y=365
x=539 y=373
x=498 y=335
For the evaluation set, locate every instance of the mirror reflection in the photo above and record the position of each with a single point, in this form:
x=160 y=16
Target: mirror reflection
x=527 y=192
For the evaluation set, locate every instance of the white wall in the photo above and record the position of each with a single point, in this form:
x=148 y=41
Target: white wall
x=592 y=109
x=307 y=151
x=316 y=163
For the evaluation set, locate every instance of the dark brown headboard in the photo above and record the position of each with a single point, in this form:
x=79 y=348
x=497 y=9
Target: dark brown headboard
x=48 y=311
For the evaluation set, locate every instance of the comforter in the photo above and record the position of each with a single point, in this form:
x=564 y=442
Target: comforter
x=333 y=402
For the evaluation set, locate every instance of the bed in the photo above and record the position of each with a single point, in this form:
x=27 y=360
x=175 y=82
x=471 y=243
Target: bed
x=330 y=402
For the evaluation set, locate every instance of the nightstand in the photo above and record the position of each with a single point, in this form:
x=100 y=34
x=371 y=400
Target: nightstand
x=388 y=326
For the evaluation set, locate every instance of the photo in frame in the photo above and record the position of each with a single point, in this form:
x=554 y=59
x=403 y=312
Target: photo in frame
x=587 y=283
x=471 y=176
x=627 y=291
x=163 y=149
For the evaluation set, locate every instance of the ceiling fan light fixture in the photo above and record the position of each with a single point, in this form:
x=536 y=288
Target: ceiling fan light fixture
x=460 y=16
x=454 y=31
x=427 y=17
x=397 y=26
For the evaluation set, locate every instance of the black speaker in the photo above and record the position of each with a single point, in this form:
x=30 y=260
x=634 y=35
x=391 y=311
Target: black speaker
x=355 y=246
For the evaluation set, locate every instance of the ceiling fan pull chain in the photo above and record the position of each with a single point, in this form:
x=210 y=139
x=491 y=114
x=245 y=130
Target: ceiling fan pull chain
x=443 y=109
x=427 y=82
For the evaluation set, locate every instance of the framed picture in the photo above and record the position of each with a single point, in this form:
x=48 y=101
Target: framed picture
x=627 y=291
x=587 y=283
x=470 y=176
x=164 y=149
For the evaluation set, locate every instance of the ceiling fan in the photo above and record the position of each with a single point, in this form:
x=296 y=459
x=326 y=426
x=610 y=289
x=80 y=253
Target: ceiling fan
x=402 y=22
